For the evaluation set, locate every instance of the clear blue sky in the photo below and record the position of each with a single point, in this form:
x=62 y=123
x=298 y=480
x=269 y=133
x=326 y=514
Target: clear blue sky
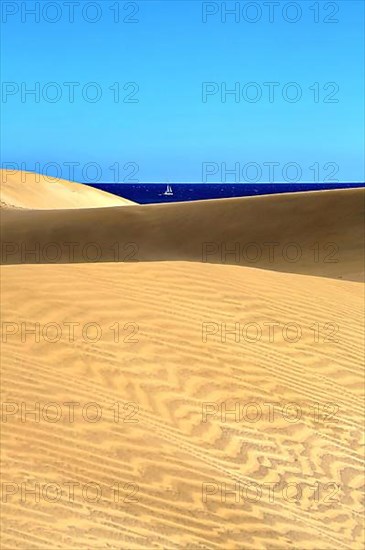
x=166 y=128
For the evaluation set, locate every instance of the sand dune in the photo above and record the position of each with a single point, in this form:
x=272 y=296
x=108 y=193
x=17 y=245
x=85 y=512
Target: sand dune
x=179 y=403
x=318 y=233
x=31 y=190
x=164 y=450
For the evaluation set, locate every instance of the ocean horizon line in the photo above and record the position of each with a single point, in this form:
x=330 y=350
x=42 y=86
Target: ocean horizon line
x=222 y=183
x=152 y=192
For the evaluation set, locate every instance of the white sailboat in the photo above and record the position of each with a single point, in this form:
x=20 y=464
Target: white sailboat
x=169 y=190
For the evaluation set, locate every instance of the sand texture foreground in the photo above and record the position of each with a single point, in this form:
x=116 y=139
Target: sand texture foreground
x=181 y=404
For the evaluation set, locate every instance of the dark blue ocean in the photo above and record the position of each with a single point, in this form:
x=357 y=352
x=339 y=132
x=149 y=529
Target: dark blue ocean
x=146 y=193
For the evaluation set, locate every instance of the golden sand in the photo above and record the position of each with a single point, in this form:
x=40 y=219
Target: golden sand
x=217 y=401
x=31 y=190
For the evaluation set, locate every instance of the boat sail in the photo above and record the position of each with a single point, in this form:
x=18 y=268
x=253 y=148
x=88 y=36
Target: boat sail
x=169 y=190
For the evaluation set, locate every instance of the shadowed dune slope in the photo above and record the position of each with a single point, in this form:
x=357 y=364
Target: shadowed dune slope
x=182 y=477
x=31 y=190
x=318 y=233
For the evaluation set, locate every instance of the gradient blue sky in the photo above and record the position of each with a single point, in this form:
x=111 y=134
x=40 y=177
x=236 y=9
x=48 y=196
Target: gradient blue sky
x=169 y=53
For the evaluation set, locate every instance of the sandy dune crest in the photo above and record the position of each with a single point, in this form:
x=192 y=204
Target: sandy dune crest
x=317 y=233
x=31 y=190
